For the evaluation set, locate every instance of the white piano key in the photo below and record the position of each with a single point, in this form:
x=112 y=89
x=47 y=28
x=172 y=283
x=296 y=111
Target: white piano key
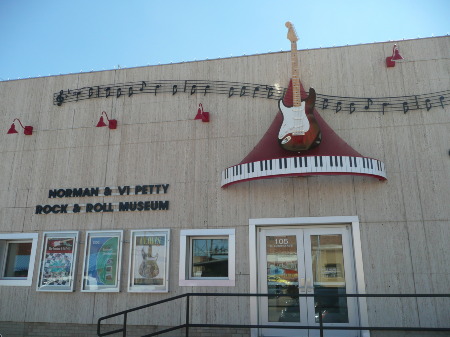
x=288 y=165
x=258 y=171
x=252 y=169
x=307 y=163
x=304 y=167
x=325 y=164
x=345 y=164
x=331 y=167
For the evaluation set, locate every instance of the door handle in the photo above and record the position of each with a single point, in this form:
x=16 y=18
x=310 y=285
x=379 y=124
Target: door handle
x=309 y=286
x=302 y=287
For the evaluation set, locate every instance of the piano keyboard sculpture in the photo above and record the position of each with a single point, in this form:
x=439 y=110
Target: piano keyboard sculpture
x=331 y=155
x=303 y=166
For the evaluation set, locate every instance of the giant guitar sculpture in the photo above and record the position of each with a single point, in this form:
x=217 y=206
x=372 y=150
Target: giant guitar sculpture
x=289 y=148
x=299 y=131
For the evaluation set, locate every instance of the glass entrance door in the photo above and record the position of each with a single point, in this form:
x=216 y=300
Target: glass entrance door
x=313 y=261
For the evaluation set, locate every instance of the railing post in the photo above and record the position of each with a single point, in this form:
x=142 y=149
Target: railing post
x=320 y=321
x=125 y=316
x=187 y=315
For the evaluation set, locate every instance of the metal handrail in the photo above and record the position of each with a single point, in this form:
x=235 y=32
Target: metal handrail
x=320 y=327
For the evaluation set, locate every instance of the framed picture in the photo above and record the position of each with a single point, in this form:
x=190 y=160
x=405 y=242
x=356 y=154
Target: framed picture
x=102 y=261
x=58 y=261
x=149 y=261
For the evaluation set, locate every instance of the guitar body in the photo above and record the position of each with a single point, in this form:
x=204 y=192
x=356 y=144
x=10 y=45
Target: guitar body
x=299 y=130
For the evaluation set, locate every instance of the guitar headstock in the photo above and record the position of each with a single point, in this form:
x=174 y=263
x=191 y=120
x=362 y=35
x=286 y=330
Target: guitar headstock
x=292 y=34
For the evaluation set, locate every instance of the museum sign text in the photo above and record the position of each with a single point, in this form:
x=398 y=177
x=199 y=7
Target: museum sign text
x=104 y=207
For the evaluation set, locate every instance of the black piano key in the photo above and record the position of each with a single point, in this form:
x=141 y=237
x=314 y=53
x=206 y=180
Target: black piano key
x=253 y=167
x=301 y=161
x=248 y=168
x=306 y=161
x=321 y=162
x=240 y=169
x=340 y=160
x=295 y=162
x=261 y=166
x=364 y=162
x=331 y=161
x=350 y=160
x=280 y=164
x=354 y=160
x=336 y=161
x=270 y=164
x=315 y=161
x=285 y=163
x=371 y=164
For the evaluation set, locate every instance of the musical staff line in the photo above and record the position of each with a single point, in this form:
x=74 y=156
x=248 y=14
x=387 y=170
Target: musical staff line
x=338 y=104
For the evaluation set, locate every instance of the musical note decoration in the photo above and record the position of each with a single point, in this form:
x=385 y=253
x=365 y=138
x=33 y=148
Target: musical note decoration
x=347 y=104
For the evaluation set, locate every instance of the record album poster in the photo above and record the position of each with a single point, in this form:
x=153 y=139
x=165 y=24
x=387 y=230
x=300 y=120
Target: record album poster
x=58 y=261
x=102 y=262
x=149 y=261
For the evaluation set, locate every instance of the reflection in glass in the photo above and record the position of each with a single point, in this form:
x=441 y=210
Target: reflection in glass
x=329 y=278
x=282 y=278
x=17 y=259
x=209 y=258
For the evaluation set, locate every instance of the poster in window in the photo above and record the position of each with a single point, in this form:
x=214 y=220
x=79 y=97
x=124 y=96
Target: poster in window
x=282 y=263
x=101 y=268
x=149 y=259
x=58 y=261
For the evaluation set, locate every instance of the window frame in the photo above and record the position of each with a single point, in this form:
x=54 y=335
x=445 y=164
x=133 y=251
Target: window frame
x=186 y=253
x=5 y=240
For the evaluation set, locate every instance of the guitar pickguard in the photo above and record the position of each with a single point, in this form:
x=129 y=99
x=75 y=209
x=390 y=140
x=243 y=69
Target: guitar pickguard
x=295 y=121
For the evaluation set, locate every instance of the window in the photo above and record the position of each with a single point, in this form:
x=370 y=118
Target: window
x=17 y=255
x=207 y=257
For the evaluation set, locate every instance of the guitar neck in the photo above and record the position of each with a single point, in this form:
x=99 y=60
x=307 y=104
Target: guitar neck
x=295 y=76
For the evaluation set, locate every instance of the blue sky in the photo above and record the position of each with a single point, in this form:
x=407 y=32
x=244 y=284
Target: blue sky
x=41 y=38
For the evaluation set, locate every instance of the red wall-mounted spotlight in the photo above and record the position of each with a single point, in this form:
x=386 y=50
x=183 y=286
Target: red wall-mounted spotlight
x=203 y=115
x=112 y=123
x=390 y=60
x=27 y=130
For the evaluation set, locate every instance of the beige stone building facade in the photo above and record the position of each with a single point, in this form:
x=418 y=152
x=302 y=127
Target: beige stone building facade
x=96 y=220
